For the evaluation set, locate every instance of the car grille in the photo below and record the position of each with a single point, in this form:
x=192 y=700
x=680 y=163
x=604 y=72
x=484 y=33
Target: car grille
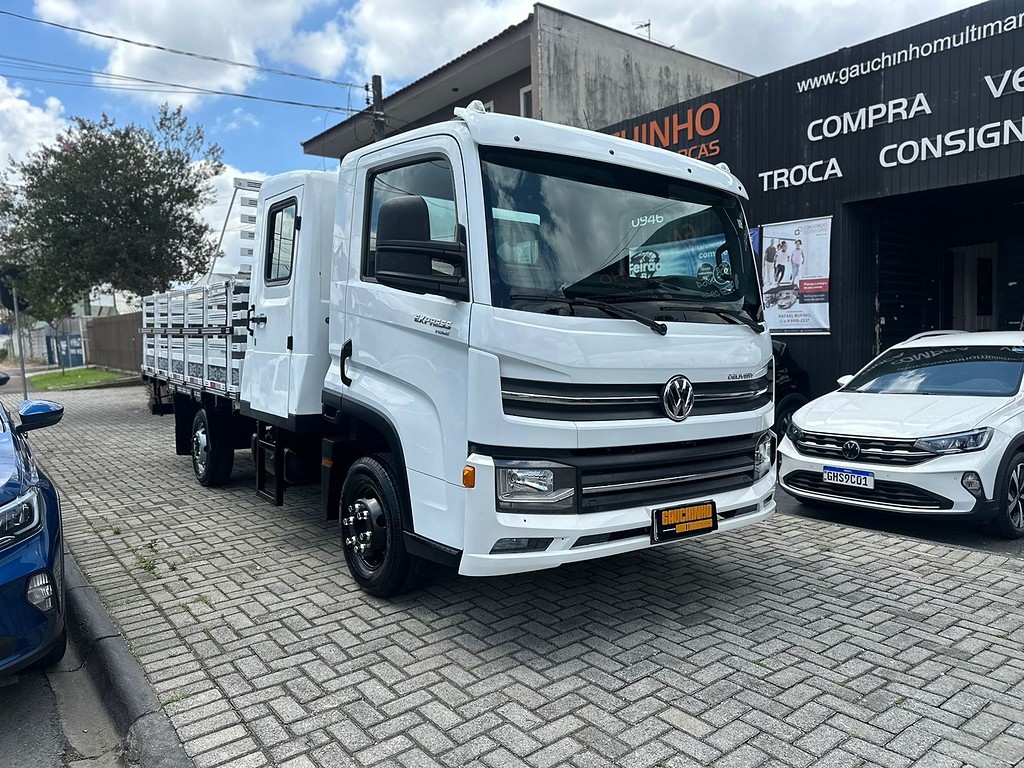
x=885 y=492
x=600 y=402
x=873 y=450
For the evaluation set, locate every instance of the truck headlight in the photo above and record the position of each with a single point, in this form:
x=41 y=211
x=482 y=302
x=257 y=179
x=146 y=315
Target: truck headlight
x=20 y=518
x=961 y=442
x=764 y=455
x=535 y=487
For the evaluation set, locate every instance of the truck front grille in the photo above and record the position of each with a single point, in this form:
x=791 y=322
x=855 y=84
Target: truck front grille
x=601 y=402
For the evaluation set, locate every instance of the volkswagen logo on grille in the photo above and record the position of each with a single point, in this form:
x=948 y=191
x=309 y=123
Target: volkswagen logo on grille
x=851 y=449
x=677 y=398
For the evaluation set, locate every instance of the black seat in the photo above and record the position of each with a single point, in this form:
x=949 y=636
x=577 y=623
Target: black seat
x=403 y=221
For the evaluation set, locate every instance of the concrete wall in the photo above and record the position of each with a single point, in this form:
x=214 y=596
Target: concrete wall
x=591 y=76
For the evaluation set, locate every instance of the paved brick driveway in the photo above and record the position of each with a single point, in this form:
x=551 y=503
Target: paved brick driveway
x=797 y=643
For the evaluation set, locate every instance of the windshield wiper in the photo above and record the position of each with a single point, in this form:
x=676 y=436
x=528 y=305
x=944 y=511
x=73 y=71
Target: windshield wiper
x=610 y=309
x=735 y=314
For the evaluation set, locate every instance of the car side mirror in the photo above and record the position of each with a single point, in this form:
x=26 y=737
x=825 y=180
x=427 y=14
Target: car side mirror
x=36 y=414
x=844 y=380
x=4 y=378
x=423 y=266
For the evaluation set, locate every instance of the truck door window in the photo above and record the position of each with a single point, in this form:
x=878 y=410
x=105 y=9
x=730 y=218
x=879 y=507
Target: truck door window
x=430 y=179
x=280 y=242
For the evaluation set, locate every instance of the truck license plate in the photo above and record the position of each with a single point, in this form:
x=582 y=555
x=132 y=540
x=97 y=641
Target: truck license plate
x=855 y=477
x=680 y=522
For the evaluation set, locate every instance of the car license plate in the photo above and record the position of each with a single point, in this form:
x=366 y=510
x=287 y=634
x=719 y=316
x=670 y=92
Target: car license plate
x=855 y=477
x=680 y=522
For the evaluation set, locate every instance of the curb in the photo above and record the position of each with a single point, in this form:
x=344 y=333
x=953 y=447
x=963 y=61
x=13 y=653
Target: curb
x=132 y=704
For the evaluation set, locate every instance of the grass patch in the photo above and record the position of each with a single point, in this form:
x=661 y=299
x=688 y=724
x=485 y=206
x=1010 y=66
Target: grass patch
x=74 y=378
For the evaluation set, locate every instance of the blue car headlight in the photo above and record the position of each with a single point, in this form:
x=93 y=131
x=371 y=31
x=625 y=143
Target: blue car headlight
x=20 y=518
x=961 y=442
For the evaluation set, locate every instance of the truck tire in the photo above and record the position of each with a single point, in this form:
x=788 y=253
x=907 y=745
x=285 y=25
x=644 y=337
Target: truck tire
x=1009 y=520
x=371 y=528
x=212 y=453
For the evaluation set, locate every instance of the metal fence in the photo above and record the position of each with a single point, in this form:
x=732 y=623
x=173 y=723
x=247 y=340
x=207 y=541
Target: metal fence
x=115 y=342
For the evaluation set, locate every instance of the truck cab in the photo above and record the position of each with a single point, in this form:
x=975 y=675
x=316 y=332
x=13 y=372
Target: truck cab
x=545 y=346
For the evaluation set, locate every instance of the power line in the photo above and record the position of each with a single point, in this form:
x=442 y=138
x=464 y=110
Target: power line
x=33 y=65
x=179 y=52
x=179 y=89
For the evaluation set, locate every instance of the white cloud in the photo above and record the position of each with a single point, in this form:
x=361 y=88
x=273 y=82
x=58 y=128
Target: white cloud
x=24 y=126
x=229 y=29
x=323 y=52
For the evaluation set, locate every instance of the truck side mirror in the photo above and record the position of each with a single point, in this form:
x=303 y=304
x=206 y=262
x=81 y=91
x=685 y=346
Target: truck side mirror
x=427 y=267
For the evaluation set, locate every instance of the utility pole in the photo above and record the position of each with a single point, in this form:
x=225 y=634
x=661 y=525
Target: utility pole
x=21 y=343
x=378 y=109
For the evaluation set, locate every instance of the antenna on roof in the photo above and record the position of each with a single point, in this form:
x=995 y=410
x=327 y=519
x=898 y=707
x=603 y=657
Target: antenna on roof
x=638 y=25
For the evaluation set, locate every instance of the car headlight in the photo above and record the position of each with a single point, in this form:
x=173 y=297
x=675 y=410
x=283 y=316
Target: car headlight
x=961 y=442
x=764 y=455
x=794 y=433
x=535 y=486
x=20 y=518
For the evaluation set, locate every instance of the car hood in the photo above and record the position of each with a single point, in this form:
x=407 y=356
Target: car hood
x=862 y=414
x=13 y=471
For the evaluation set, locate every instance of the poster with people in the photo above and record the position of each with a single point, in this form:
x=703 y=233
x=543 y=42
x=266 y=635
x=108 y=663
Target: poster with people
x=794 y=275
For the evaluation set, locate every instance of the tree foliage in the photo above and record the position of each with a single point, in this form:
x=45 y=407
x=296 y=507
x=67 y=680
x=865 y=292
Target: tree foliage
x=109 y=204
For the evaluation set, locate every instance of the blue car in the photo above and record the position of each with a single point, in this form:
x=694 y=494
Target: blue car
x=32 y=630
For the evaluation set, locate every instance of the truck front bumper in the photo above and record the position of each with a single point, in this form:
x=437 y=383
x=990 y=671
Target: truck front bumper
x=550 y=540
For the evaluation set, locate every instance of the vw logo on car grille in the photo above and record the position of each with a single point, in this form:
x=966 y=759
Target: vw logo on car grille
x=677 y=398
x=851 y=449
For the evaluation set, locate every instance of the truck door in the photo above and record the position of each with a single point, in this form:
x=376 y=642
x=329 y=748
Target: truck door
x=409 y=359
x=267 y=374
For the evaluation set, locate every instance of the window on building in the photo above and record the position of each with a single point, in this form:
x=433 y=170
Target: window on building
x=281 y=242
x=526 y=101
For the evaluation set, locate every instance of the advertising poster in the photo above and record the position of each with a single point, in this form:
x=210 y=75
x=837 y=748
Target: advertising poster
x=795 y=263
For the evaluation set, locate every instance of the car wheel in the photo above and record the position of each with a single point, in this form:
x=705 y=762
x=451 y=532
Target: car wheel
x=371 y=528
x=784 y=416
x=56 y=652
x=211 y=460
x=1009 y=520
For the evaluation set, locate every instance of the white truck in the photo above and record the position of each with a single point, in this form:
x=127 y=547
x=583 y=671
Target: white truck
x=496 y=343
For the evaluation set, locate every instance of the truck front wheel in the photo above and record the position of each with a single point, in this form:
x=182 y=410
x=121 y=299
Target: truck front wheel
x=213 y=455
x=371 y=528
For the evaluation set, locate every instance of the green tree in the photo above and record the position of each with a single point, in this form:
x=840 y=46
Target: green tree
x=109 y=204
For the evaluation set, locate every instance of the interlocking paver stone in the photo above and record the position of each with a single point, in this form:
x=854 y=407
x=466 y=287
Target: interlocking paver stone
x=793 y=643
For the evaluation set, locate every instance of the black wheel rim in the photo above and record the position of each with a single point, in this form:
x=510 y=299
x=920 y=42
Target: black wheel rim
x=1015 y=497
x=364 y=528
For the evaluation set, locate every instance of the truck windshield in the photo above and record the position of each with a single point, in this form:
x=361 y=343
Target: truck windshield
x=564 y=228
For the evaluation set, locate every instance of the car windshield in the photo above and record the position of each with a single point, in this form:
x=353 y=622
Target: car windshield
x=974 y=371
x=563 y=229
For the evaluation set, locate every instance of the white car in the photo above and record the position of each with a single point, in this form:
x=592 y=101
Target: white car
x=933 y=427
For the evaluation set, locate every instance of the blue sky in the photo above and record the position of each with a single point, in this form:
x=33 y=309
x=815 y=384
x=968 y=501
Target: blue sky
x=348 y=42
